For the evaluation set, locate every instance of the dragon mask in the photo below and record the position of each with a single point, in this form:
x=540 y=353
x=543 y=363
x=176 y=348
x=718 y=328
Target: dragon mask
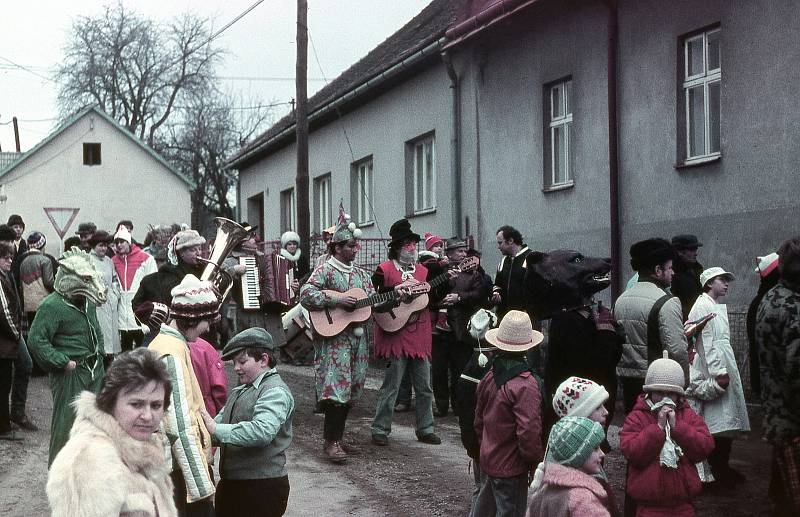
x=77 y=277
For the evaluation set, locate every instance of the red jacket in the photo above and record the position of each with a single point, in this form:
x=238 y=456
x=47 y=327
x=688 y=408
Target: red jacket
x=210 y=373
x=650 y=484
x=508 y=422
x=413 y=340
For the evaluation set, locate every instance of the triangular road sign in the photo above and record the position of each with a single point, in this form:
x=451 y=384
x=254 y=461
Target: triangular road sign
x=61 y=218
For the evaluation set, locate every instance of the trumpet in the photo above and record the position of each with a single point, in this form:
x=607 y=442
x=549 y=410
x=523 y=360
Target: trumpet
x=229 y=235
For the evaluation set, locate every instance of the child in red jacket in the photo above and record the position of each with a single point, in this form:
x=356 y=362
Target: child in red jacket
x=662 y=439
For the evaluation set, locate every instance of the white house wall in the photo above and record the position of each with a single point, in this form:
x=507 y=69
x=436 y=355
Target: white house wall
x=129 y=184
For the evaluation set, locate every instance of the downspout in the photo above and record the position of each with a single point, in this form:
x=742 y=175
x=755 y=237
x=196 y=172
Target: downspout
x=455 y=144
x=613 y=155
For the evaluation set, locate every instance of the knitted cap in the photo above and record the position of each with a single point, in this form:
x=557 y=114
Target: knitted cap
x=194 y=299
x=481 y=322
x=664 y=375
x=578 y=397
x=123 y=234
x=288 y=237
x=16 y=219
x=36 y=240
x=432 y=240
x=766 y=264
x=573 y=439
x=254 y=337
x=188 y=238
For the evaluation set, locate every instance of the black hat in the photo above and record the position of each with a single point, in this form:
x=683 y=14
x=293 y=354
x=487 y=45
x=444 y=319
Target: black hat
x=254 y=337
x=453 y=243
x=650 y=253
x=400 y=231
x=86 y=228
x=100 y=236
x=7 y=234
x=249 y=229
x=16 y=219
x=685 y=242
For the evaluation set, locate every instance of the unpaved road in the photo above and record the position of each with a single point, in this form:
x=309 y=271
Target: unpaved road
x=407 y=478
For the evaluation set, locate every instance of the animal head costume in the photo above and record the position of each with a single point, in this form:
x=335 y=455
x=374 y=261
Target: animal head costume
x=77 y=276
x=564 y=278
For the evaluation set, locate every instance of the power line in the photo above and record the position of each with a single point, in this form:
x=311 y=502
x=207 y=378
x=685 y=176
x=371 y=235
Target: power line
x=21 y=67
x=242 y=15
x=264 y=78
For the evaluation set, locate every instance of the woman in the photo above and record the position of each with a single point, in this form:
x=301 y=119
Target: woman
x=113 y=464
x=715 y=387
x=108 y=313
x=9 y=337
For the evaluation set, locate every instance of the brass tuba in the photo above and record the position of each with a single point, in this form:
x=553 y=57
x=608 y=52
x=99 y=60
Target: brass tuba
x=229 y=235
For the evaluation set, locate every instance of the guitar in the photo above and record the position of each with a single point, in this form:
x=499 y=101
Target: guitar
x=395 y=319
x=331 y=321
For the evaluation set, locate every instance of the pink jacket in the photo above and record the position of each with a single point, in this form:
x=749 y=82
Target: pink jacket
x=660 y=490
x=210 y=373
x=568 y=492
x=413 y=340
x=508 y=422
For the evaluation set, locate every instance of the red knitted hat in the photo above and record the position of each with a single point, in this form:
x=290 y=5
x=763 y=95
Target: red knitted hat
x=432 y=240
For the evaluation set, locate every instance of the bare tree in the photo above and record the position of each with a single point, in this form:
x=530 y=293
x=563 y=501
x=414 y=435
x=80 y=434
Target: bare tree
x=135 y=69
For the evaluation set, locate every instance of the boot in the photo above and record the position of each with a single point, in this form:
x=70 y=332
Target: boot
x=333 y=450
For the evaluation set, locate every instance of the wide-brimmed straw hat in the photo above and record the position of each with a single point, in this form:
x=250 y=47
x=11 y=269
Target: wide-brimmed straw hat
x=515 y=333
x=713 y=272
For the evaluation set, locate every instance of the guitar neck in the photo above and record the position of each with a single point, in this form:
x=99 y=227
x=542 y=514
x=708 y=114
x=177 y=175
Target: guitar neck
x=375 y=299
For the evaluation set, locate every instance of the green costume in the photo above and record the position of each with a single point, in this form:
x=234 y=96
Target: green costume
x=66 y=329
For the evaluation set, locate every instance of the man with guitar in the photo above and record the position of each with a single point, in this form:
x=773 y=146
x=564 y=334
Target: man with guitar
x=406 y=347
x=340 y=360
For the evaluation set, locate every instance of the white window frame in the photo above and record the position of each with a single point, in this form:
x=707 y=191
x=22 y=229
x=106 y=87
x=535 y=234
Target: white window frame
x=292 y=212
x=322 y=189
x=563 y=121
x=704 y=78
x=427 y=177
x=363 y=174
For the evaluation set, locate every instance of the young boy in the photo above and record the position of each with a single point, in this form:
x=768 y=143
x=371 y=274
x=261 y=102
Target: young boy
x=662 y=438
x=254 y=430
x=573 y=482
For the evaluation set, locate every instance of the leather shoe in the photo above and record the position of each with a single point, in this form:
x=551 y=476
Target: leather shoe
x=402 y=407
x=430 y=438
x=439 y=413
x=333 y=450
x=25 y=423
x=349 y=448
x=380 y=439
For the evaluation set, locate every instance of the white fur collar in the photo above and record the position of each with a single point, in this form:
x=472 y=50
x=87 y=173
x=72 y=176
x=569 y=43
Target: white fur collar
x=289 y=256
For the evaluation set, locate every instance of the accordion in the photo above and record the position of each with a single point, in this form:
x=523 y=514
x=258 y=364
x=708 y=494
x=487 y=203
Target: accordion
x=267 y=279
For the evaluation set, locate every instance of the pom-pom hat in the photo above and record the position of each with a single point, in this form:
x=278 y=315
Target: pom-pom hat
x=194 y=299
x=432 y=240
x=766 y=264
x=712 y=273
x=123 y=235
x=578 y=397
x=345 y=229
x=515 y=333
x=36 y=240
x=573 y=439
x=664 y=375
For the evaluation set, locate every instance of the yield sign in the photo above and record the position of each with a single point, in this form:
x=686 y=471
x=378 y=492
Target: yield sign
x=61 y=218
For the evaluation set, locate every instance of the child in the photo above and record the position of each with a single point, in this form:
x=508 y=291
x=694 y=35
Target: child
x=254 y=430
x=581 y=397
x=662 y=438
x=571 y=482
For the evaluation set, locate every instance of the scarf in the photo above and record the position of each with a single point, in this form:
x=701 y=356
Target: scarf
x=507 y=366
x=406 y=272
x=292 y=257
x=341 y=266
x=670 y=452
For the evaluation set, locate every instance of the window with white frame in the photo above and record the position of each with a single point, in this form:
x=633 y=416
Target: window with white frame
x=702 y=73
x=423 y=174
x=558 y=137
x=322 y=202
x=362 y=188
x=288 y=210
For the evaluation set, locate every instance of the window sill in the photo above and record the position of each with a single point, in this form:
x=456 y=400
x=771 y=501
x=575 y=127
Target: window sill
x=421 y=212
x=561 y=186
x=696 y=162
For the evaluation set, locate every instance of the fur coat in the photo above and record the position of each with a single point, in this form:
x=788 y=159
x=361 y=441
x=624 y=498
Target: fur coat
x=103 y=471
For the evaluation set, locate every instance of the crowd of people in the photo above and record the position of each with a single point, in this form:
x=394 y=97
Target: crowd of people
x=131 y=334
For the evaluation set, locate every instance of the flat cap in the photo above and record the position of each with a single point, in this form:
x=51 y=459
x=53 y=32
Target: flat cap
x=255 y=337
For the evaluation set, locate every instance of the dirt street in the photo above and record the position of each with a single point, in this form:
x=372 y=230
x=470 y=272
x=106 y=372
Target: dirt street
x=406 y=478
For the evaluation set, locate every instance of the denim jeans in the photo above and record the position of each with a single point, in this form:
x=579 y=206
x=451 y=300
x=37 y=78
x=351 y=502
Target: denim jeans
x=420 y=371
x=501 y=497
x=404 y=392
x=23 y=366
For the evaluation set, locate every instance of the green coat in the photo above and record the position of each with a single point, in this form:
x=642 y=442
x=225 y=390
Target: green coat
x=62 y=332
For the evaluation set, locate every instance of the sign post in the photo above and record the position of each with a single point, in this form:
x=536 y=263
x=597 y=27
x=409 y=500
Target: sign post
x=61 y=218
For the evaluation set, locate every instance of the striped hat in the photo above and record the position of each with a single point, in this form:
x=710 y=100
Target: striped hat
x=36 y=240
x=194 y=299
x=766 y=264
x=572 y=440
x=578 y=397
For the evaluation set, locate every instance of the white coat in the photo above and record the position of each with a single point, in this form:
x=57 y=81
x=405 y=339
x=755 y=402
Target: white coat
x=723 y=410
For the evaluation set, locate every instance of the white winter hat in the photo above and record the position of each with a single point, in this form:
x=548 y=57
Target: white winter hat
x=664 y=375
x=123 y=234
x=288 y=237
x=578 y=397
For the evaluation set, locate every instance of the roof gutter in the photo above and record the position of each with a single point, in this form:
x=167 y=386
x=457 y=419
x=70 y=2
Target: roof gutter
x=413 y=59
x=485 y=19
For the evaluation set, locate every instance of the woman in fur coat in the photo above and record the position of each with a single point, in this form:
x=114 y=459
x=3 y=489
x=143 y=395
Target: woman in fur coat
x=113 y=463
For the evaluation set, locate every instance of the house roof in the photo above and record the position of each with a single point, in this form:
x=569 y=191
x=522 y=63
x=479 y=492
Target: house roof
x=424 y=29
x=479 y=15
x=11 y=166
x=7 y=159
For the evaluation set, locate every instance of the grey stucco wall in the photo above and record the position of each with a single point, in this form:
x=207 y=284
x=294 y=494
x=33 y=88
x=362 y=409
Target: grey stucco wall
x=380 y=129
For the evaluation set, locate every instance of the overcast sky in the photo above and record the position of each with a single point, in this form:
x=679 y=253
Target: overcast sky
x=260 y=45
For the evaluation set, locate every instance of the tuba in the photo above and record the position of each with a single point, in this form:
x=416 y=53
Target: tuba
x=229 y=235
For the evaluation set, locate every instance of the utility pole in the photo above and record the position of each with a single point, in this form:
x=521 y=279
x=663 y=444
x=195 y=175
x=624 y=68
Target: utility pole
x=301 y=126
x=16 y=133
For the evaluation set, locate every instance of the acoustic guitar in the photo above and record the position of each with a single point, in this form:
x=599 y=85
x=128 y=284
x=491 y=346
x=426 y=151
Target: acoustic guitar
x=331 y=321
x=396 y=319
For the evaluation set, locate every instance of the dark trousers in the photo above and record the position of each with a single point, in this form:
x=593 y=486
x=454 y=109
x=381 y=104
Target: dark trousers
x=718 y=459
x=204 y=508
x=448 y=359
x=631 y=389
x=23 y=366
x=335 y=418
x=252 y=497
x=130 y=339
x=6 y=366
